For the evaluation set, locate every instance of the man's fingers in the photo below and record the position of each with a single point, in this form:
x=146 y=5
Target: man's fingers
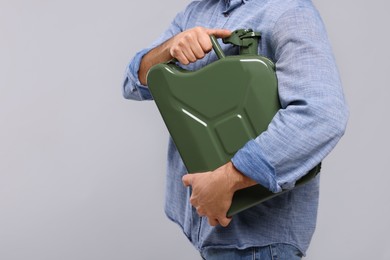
x=187 y=180
x=219 y=33
x=200 y=211
x=205 y=43
x=198 y=50
x=224 y=221
x=182 y=59
x=179 y=55
x=213 y=222
x=189 y=54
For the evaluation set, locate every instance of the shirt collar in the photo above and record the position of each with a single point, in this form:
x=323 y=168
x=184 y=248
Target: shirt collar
x=232 y=4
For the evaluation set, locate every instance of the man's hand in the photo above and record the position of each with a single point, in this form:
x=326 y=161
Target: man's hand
x=186 y=47
x=193 y=44
x=212 y=192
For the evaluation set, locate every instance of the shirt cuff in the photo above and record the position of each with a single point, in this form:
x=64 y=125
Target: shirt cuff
x=132 y=87
x=250 y=161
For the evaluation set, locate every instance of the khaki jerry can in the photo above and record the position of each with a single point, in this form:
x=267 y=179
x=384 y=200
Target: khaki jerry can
x=212 y=112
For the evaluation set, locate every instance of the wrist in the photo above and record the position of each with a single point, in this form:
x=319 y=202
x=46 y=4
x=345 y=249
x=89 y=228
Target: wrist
x=166 y=50
x=237 y=180
x=157 y=55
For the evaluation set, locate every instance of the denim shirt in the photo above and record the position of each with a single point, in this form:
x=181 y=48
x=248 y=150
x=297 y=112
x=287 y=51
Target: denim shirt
x=311 y=121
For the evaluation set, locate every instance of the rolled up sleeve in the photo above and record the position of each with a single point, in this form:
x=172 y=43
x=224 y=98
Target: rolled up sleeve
x=132 y=87
x=314 y=114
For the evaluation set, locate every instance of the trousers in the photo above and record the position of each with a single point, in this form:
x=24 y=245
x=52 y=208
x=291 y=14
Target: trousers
x=271 y=252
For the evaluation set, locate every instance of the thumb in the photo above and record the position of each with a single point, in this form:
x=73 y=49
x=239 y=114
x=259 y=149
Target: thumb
x=187 y=180
x=219 y=33
x=224 y=221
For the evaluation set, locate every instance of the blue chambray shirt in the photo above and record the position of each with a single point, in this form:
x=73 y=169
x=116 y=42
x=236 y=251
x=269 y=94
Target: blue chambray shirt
x=312 y=119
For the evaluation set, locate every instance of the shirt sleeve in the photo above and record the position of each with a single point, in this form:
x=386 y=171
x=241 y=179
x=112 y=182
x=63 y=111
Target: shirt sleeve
x=132 y=87
x=314 y=114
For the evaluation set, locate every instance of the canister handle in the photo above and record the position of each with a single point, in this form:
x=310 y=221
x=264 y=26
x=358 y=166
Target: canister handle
x=217 y=48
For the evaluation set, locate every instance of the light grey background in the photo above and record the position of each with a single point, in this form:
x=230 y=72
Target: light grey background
x=82 y=170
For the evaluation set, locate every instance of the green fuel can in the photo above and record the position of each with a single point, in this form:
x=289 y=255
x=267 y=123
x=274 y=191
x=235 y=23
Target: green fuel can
x=212 y=112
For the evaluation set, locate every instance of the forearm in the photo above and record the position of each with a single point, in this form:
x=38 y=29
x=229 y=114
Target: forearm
x=237 y=180
x=157 y=55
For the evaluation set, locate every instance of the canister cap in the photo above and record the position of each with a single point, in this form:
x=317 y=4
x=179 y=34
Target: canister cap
x=246 y=39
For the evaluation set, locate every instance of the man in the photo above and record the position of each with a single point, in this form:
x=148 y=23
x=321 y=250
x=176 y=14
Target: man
x=312 y=120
